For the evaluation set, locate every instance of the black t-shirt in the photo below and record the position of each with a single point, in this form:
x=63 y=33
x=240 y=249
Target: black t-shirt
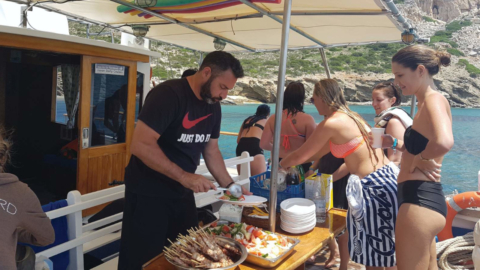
x=185 y=124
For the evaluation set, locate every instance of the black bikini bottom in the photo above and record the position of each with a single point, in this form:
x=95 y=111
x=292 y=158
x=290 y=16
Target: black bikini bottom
x=249 y=144
x=423 y=193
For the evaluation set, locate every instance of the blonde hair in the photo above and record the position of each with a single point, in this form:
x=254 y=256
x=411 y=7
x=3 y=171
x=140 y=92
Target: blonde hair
x=332 y=94
x=5 y=145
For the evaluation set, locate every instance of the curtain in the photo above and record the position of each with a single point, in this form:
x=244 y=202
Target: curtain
x=71 y=89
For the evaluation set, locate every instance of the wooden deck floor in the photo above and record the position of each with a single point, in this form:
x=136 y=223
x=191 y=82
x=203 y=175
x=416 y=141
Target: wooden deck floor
x=323 y=256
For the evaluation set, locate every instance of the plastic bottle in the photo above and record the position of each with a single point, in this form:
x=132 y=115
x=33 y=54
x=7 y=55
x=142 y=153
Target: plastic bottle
x=320 y=210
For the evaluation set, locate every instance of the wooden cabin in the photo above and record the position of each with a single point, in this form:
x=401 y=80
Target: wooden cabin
x=71 y=105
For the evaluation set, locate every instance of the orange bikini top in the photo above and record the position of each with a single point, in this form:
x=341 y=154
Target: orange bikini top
x=344 y=150
x=286 y=137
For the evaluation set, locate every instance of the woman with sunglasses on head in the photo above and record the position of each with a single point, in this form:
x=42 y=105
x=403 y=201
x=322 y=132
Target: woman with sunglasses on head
x=370 y=230
x=386 y=100
x=297 y=126
x=422 y=211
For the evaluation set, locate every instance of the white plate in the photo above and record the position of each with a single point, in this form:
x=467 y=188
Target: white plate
x=298 y=206
x=296 y=216
x=303 y=221
x=249 y=200
x=298 y=226
x=296 y=231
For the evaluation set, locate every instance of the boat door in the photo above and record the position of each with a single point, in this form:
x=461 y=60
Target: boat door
x=106 y=121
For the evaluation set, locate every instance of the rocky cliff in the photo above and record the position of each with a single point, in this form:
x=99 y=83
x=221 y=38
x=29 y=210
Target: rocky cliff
x=447 y=10
x=454 y=83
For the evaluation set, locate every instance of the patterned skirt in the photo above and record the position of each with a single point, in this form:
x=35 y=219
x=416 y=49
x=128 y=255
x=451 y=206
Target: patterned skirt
x=372 y=234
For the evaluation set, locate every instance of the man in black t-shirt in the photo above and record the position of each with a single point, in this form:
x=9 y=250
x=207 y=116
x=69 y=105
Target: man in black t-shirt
x=179 y=121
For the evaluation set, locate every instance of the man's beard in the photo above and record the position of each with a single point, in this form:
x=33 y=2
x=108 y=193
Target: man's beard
x=206 y=92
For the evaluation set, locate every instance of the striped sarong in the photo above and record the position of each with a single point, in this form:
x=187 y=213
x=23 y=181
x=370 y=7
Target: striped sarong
x=372 y=235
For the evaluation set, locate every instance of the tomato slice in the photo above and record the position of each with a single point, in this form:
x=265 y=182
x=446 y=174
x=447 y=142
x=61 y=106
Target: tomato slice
x=228 y=235
x=228 y=193
x=257 y=233
x=232 y=225
x=242 y=198
x=248 y=227
x=225 y=229
x=214 y=224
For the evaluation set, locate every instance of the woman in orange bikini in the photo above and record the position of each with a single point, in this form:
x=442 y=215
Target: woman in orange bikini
x=297 y=126
x=371 y=228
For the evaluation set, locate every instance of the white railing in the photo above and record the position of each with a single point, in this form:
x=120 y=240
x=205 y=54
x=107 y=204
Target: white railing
x=84 y=239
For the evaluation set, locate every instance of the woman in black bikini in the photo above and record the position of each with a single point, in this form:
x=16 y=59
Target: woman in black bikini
x=249 y=139
x=422 y=210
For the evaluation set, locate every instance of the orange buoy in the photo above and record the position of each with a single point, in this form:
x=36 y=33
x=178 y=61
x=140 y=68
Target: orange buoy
x=456 y=204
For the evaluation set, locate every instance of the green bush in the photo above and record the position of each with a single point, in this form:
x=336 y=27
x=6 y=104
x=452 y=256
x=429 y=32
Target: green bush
x=428 y=19
x=457 y=25
x=473 y=70
x=463 y=62
x=160 y=72
x=455 y=52
x=357 y=54
x=335 y=49
x=453 y=44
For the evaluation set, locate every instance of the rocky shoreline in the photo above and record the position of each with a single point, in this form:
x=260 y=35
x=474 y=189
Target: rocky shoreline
x=454 y=83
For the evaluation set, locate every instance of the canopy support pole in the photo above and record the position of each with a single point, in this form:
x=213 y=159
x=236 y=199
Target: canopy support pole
x=325 y=63
x=186 y=25
x=413 y=105
x=278 y=112
x=200 y=60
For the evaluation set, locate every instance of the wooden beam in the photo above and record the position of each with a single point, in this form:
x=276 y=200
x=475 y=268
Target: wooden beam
x=51 y=45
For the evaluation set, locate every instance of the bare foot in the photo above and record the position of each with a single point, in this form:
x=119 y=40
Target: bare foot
x=312 y=259
x=331 y=260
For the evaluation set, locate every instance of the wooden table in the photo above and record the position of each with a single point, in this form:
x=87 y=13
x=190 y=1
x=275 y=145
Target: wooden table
x=310 y=243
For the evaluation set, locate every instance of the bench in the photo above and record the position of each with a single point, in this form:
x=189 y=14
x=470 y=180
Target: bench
x=84 y=238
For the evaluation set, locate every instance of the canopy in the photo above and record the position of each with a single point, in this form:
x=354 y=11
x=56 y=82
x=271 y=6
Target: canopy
x=245 y=25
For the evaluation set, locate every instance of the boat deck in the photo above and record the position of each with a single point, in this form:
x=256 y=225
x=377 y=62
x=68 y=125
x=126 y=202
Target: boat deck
x=323 y=256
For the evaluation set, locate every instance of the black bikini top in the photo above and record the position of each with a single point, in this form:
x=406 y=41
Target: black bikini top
x=415 y=142
x=249 y=125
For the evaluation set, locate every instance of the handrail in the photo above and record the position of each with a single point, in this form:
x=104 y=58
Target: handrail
x=229 y=133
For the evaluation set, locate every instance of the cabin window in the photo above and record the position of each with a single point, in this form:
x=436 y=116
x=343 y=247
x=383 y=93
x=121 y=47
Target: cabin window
x=59 y=109
x=109 y=99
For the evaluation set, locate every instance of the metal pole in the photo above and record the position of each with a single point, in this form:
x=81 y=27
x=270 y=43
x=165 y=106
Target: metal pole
x=325 y=63
x=200 y=60
x=287 y=9
x=88 y=31
x=413 y=105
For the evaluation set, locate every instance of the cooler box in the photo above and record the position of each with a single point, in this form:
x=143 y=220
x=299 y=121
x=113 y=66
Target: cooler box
x=293 y=191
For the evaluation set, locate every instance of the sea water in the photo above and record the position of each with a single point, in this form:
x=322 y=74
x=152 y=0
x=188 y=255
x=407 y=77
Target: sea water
x=460 y=166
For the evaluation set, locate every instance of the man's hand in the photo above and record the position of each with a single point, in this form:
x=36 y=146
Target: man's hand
x=197 y=183
x=246 y=192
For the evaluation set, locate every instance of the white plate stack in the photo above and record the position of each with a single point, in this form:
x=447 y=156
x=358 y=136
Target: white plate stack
x=297 y=215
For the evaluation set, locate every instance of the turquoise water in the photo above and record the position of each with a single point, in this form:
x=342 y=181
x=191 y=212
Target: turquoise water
x=460 y=167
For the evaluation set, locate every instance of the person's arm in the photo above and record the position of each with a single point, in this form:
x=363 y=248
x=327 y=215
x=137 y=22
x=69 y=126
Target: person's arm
x=397 y=130
x=313 y=147
x=35 y=227
x=267 y=134
x=442 y=137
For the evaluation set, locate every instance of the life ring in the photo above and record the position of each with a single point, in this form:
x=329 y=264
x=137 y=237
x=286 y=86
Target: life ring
x=456 y=204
